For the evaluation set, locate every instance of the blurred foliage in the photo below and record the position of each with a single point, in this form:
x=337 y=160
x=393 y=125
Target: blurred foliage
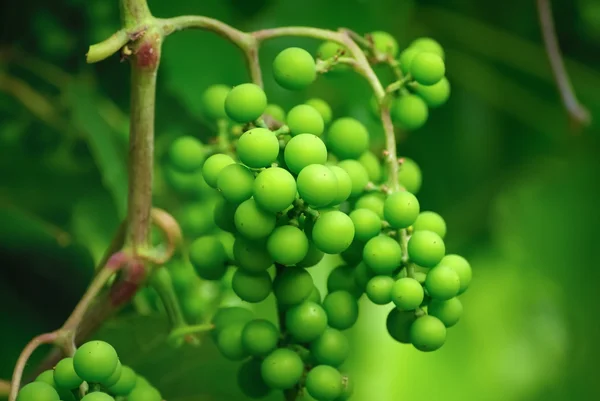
x=518 y=190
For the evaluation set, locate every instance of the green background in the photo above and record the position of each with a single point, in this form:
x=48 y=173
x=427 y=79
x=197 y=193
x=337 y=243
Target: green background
x=517 y=185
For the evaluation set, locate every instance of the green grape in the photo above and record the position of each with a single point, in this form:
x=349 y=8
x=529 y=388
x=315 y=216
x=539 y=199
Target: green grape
x=65 y=376
x=315 y=296
x=117 y=373
x=372 y=202
x=353 y=254
x=430 y=221
x=372 y=166
x=287 y=245
x=200 y=299
x=189 y=184
x=292 y=286
x=235 y=182
x=186 y=154
x=207 y=255
x=409 y=175
x=448 y=311
x=409 y=112
x=258 y=148
x=213 y=101
x=144 y=393
x=294 y=68
x=317 y=185
x=260 y=337
x=331 y=348
x=342 y=278
x=324 y=383
x=274 y=189
x=183 y=276
x=329 y=50
x=341 y=308
x=379 y=289
x=37 y=391
x=252 y=221
x=251 y=256
x=428 y=45
x=434 y=95
x=333 y=232
x=196 y=219
x=427 y=68
x=366 y=224
x=347 y=138
x=344 y=185
x=282 y=369
x=224 y=215
x=47 y=377
x=462 y=268
x=250 y=381
x=362 y=275
x=304 y=150
x=276 y=112
x=245 y=103
x=442 y=283
x=384 y=43
x=406 y=58
x=97 y=396
x=313 y=256
x=229 y=342
x=383 y=255
x=358 y=176
x=213 y=166
x=398 y=325
x=305 y=119
x=306 y=321
x=227 y=239
x=95 y=361
x=407 y=294
x=230 y=315
x=322 y=107
x=426 y=248
x=427 y=333
x=126 y=382
x=251 y=287
x=401 y=209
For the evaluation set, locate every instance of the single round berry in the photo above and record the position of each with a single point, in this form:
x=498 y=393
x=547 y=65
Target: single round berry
x=426 y=248
x=252 y=221
x=258 y=148
x=250 y=255
x=449 y=311
x=213 y=101
x=384 y=43
x=260 y=337
x=229 y=342
x=65 y=375
x=322 y=107
x=342 y=309
x=207 y=255
x=353 y=254
x=313 y=256
x=315 y=296
x=224 y=215
x=144 y=393
x=306 y=322
x=293 y=286
x=342 y=278
x=213 y=166
x=409 y=175
x=461 y=267
x=305 y=119
x=324 y=383
x=282 y=369
x=366 y=224
x=287 y=245
x=372 y=166
x=401 y=209
x=95 y=361
x=407 y=294
x=245 y=103
x=428 y=45
x=303 y=150
x=126 y=382
x=358 y=176
x=235 y=182
x=251 y=287
x=37 y=391
x=427 y=68
x=274 y=189
x=331 y=348
x=195 y=218
x=344 y=184
x=294 y=68
x=442 y=283
x=409 y=112
x=363 y=274
x=430 y=221
x=434 y=95
x=347 y=138
x=379 y=289
x=97 y=396
x=399 y=323
x=427 y=333
x=333 y=232
x=372 y=202
x=250 y=381
x=317 y=185
x=228 y=316
x=383 y=255
x=406 y=58
x=276 y=112
x=186 y=154
x=47 y=377
x=114 y=378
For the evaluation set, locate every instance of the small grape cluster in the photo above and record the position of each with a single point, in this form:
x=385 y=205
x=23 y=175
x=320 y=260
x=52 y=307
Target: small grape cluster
x=94 y=373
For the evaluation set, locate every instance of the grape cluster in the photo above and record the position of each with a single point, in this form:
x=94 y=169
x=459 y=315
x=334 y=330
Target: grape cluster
x=94 y=373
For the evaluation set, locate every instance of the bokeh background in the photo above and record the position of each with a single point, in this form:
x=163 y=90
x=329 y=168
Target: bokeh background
x=518 y=187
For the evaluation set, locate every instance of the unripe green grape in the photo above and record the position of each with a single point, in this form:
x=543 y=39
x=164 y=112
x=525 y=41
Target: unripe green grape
x=406 y=58
x=306 y=321
x=358 y=176
x=213 y=101
x=347 y=138
x=409 y=175
x=126 y=382
x=282 y=369
x=442 y=283
x=224 y=215
x=276 y=112
x=304 y=150
x=97 y=396
x=449 y=311
x=144 y=393
x=333 y=232
x=428 y=45
x=230 y=315
x=398 y=324
x=287 y=245
x=313 y=256
x=427 y=333
x=353 y=254
x=95 y=361
x=317 y=185
x=229 y=342
x=372 y=166
x=251 y=287
x=47 y=377
x=65 y=375
x=213 y=166
x=258 y=148
x=274 y=189
x=383 y=255
x=401 y=209
x=37 y=391
x=315 y=296
x=324 y=383
x=245 y=103
x=407 y=294
x=252 y=221
x=328 y=50
x=342 y=309
x=292 y=286
x=294 y=68
x=344 y=184
x=227 y=239
x=322 y=107
x=196 y=219
x=305 y=119
x=434 y=95
x=373 y=202
x=461 y=267
x=117 y=373
x=251 y=256
x=379 y=290
x=342 y=278
x=426 y=248
x=186 y=154
x=200 y=300
x=331 y=348
x=260 y=337
x=362 y=275
x=235 y=182
x=409 y=112
x=189 y=184
x=183 y=276
x=250 y=381
x=430 y=221
x=384 y=43
x=427 y=68
x=207 y=255
x=366 y=224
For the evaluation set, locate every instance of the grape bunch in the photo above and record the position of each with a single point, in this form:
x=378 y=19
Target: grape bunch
x=94 y=373
x=275 y=191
